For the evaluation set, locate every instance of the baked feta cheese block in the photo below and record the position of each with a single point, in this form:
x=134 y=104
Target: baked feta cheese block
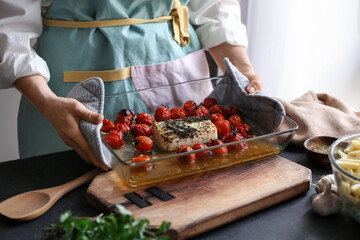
x=170 y=135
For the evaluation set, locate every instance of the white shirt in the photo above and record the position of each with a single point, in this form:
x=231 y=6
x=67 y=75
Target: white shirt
x=215 y=21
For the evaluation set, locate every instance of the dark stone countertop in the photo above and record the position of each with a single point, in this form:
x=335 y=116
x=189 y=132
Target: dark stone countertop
x=292 y=219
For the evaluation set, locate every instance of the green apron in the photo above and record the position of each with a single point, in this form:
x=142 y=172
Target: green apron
x=98 y=49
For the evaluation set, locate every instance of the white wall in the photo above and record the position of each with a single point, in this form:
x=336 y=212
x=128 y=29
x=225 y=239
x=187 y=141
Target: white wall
x=294 y=45
x=9 y=104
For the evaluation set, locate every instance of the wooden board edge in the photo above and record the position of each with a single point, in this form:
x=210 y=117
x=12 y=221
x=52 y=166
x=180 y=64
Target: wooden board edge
x=99 y=204
x=197 y=228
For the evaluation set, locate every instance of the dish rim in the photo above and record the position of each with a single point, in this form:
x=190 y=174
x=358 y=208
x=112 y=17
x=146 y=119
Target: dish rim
x=331 y=154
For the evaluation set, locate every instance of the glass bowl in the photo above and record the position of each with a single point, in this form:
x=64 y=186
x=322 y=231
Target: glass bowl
x=265 y=138
x=344 y=155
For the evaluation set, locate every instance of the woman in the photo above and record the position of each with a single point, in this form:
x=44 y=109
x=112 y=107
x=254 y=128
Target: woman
x=112 y=40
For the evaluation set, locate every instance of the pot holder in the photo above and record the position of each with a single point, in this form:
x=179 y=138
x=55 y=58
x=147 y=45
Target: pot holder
x=230 y=90
x=91 y=93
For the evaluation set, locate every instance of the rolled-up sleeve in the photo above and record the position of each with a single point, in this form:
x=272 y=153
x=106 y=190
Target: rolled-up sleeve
x=217 y=21
x=20 y=26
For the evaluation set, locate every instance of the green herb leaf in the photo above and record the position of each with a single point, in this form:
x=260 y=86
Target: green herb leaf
x=113 y=226
x=164 y=227
x=65 y=216
x=122 y=210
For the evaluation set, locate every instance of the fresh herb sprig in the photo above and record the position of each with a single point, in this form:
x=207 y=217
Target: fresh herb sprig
x=121 y=225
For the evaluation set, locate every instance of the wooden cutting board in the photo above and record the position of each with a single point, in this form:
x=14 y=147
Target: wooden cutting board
x=198 y=203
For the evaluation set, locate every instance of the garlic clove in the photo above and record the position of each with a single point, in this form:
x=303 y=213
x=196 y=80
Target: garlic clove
x=323 y=181
x=326 y=203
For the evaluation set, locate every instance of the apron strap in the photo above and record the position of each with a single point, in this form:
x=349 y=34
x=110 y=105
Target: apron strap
x=102 y=23
x=106 y=76
x=180 y=19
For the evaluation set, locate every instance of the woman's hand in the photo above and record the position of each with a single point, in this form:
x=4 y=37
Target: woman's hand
x=239 y=57
x=63 y=113
x=255 y=84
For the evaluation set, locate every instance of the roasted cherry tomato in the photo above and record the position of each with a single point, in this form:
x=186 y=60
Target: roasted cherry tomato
x=243 y=129
x=141 y=130
x=235 y=120
x=199 y=111
x=125 y=116
x=217 y=151
x=144 y=118
x=178 y=113
x=162 y=113
x=113 y=139
x=107 y=126
x=189 y=106
x=203 y=154
x=247 y=127
x=188 y=158
x=223 y=127
x=127 y=113
x=123 y=127
x=124 y=120
x=117 y=133
x=234 y=136
x=231 y=110
x=143 y=143
x=209 y=102
x=141 y=158
x=217 y=109
x=216 y=117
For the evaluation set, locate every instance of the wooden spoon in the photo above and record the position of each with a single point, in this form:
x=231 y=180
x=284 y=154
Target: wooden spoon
x=30 y=205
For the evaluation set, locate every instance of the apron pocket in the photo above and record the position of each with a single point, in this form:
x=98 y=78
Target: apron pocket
x=194 y=66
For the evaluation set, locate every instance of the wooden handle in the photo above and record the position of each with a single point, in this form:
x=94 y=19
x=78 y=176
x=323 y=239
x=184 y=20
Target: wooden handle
x=77 y=182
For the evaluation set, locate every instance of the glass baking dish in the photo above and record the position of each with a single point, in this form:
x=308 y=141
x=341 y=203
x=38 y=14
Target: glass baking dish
x=163 y=165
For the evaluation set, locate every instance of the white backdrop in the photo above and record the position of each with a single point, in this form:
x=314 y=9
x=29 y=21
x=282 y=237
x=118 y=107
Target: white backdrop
x=295 y=46
x=9 y=104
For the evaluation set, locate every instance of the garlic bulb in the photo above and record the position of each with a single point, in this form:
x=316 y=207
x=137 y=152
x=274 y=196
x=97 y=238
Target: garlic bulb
x=326 y=203
x=324 y=181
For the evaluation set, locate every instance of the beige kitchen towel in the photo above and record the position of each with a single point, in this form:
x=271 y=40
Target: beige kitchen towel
x=320 y=114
